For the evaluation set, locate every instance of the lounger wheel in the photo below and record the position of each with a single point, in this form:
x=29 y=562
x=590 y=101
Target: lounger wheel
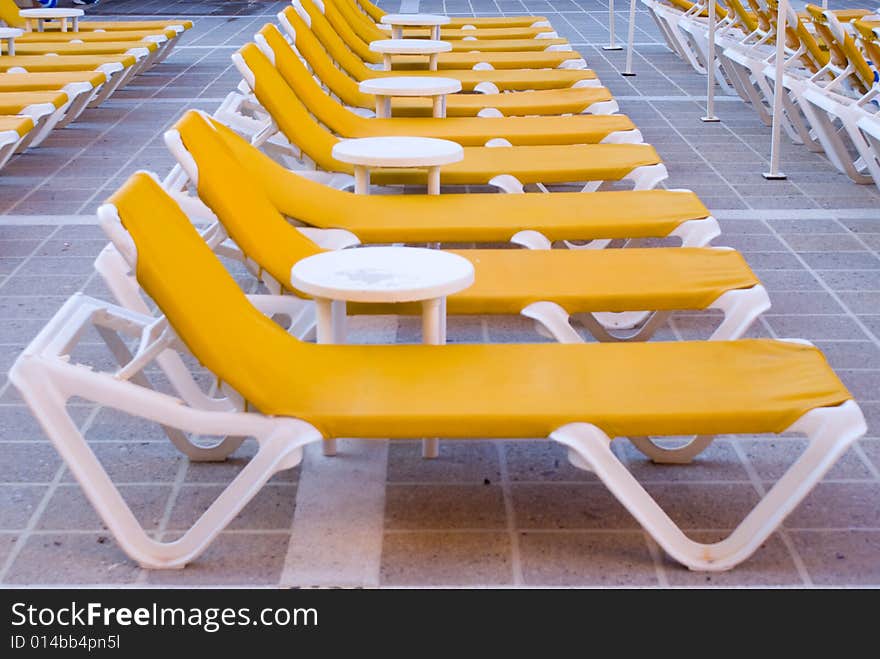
x=217 y=452
x=679 y=455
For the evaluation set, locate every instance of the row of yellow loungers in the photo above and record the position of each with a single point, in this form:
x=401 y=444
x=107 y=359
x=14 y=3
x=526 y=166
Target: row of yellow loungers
x=55 y=75
x=228 y=197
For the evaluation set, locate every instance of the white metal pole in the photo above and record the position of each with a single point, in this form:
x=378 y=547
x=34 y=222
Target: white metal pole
x=612 y=42
x=630 y=41
x=710 y=68
x=778 y=91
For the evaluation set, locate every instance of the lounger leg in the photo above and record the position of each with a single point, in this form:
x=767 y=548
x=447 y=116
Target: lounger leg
x=46 y=388
x=331 y=329
x=831 y=431
x=433 y=333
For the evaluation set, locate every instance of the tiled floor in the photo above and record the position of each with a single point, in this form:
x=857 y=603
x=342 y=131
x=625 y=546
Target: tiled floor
x=502 y=513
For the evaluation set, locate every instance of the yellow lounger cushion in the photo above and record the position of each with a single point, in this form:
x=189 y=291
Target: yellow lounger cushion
x=21 y=82
x=508 y=280
x=103 y=48
x=531 y=164
x=91 y=37
x=451 y=217
x=15 y=102
x=483 y=34
x=547 y=101
x=21 y=125
x=505 y=79
x=482 y=21
x=473 y=131
x=505 y=60
x=538 y=102
x=467 y=131
x=35 y=63
x=747 y=386
x=359 y=44
x=367 y=29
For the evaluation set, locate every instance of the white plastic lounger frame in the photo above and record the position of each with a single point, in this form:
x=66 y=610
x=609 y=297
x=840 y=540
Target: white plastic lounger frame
x=9 y=140
x=47 y=379
x=870 y=129
x=645 y=177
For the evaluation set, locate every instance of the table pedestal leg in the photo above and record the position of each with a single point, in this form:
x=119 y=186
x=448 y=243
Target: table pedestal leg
x=396 y=32
x=435 y=32
x=40 y=24
x=432 y=62
x=433 y=180
x=386 y=61
x=331 y=329
x=433 y=333
x=362 y=179
x=63 y=25
x=11 y=47
x=76 y=23
x=439 y=107
x=383 y=107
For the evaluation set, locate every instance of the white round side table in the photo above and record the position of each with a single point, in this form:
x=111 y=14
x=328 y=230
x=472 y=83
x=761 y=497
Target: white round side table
x=384 y=89
x=400 y=21
x=429 y=47
x=9 y=35
x=377 y=152
x=40 y=16
x=382 y=275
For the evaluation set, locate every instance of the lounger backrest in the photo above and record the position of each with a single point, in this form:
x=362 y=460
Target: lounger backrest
x=330 y=113
x=351 y=63
x=240 y=202
x=200 y=299
x=354 y=41
x=9 y=14
x=820 y=23
x=299 y=198
x=292 y=117
x=322 y=64
x=357 y=20
x=850 y=50
x=372 y=10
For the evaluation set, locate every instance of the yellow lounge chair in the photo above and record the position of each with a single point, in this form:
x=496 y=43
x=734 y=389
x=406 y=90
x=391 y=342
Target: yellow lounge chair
x=503 y=80
x=45 y=108
x=582 y=396
x=13 y=129
x=144 y=52
x=505 y=39
x=478 y=22
x=572 y=100
x=81 y=87
x=554 y=56
x=467 y=131
x=539 y=28
x=89 y=29
x=582 y=96
x=541 y=284
x=522 y=165
x=534 y=221
x=118 y=69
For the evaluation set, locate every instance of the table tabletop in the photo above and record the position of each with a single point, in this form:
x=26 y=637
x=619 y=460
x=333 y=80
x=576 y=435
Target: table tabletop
x=10 y=32
x=60 y=12
x=410 y=86
x=410 y=46
x=398 y=151
x=414 y=20
x=382 y=274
